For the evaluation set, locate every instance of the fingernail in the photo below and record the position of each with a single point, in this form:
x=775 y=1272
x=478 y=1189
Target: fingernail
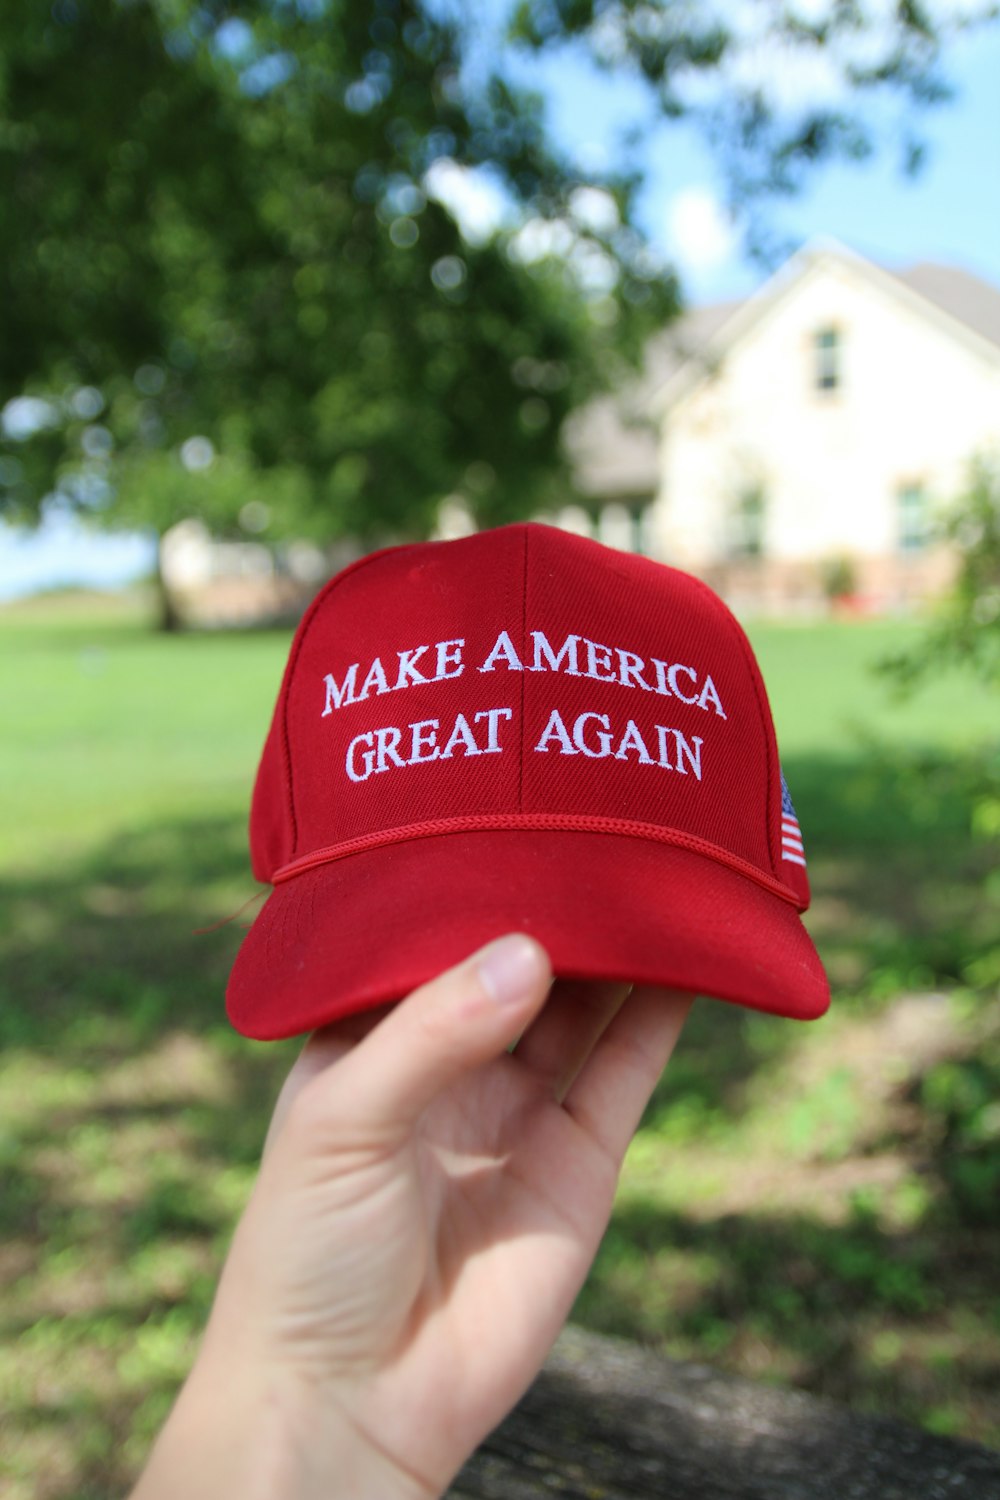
x=509 y=968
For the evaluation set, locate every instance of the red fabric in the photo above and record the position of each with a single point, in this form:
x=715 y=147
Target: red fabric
x=574 y=822
x=661 y=718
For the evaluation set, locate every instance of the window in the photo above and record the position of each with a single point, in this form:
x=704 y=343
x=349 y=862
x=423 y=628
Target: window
x=747 y=523
x=614 y=526
x=912 y=517
x=623 y=526
x=826 y=359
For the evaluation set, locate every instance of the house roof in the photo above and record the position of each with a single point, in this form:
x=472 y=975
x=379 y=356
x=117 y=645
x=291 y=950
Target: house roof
x=960 y=294
x=613 y=441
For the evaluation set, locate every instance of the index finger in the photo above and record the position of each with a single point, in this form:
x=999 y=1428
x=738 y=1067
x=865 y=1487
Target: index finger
x=614 y=1086
x=321 y=1050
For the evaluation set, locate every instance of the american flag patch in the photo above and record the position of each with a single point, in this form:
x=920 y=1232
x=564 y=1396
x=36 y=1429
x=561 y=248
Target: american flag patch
x=791 y=835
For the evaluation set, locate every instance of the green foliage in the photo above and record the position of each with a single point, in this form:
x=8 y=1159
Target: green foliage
x=825 y=1122
x=964 y=638
x=709 y=68
x=960 y=1098
x=966 y=631
x=221 y=225
x=839 y=577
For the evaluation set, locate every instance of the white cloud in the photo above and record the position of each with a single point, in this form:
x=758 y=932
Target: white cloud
x=792 y=77
x=23 y=416
x=541 y=237
x=475 y=200
x=197 y=453
x=594 y=209
x=792 y=73
x=812 y=12
x=594 y=269
x=700 y=234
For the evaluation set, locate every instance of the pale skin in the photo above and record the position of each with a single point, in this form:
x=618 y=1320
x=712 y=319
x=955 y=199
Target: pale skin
x=428 y=1205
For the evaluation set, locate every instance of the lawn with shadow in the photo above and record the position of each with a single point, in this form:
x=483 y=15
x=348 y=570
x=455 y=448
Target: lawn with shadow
x=812 y=1204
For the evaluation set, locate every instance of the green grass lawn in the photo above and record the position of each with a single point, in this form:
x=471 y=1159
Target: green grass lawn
x=809 y=1204
x=107 y=725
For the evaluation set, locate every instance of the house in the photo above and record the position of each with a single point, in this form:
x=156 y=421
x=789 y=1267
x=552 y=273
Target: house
x=222 y=584
x=798 y=444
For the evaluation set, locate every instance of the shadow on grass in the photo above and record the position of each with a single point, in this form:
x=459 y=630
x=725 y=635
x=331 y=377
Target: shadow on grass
x=899 y=888
x=904 y=898
x=846 y=1310
x=133 y=1118
x=101 y=955
x=100 y=958
x=113 y=937
x=904 y=894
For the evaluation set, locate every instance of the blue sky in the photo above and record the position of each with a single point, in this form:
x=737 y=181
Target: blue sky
x=949 y=213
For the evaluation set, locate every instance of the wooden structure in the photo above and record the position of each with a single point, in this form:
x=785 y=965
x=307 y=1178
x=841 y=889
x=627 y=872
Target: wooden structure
x=607 y=1420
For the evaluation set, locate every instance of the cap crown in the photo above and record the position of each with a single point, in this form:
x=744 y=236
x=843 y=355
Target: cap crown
x=517 y=675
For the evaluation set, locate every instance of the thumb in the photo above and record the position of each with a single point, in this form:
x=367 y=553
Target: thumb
x=443 y=1030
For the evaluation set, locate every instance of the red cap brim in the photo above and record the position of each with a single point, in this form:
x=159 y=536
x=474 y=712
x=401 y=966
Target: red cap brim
x=372 y=926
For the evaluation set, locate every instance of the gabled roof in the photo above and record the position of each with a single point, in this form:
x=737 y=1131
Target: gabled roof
x=963 y=296
x=953 y=299
x=613 y=441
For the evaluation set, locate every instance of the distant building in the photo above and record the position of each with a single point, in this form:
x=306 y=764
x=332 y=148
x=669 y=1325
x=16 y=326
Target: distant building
x=222 y=584
x=798 y=444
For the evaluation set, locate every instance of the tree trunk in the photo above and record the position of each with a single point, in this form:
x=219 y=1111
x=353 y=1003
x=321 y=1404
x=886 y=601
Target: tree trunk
x=168 y=615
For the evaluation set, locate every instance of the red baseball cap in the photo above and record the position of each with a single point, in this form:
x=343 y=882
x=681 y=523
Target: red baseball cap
x=520 y=730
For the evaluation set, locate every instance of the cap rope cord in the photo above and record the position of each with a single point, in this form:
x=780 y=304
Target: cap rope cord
x=539 y=822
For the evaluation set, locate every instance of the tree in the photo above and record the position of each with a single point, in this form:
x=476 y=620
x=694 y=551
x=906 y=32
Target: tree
x=964 y=633
x=230 y=272
x=965 y=629
x=775 y=88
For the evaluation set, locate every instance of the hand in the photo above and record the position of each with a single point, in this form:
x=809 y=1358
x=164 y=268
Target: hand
x=427 y=1209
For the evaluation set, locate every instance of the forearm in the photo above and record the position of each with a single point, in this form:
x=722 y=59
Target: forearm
x=240 y=1433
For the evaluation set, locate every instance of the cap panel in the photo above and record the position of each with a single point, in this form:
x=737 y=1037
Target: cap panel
x=652 y=713
x=389 y=722
x=272 y=810
x=271 y=839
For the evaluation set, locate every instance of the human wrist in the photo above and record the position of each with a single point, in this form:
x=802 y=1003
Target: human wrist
x=261 y=1433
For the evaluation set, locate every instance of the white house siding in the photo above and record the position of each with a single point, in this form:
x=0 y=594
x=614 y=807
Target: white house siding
x=919 y=394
